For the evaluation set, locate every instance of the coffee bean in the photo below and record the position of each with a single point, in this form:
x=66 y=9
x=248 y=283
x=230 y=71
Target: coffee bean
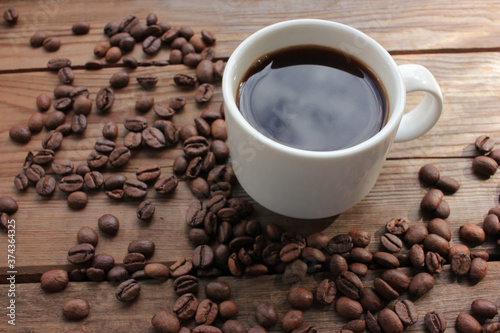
x=406 y=311
x=371 y=300
x=391 y=242
x=153 y=137
x=218 y=291
x=144 y=103
x=295 y=271
x=21 y=182
x=119 y=80
x=266 y=315
x=371 y=323
x=134 y=188
x=147 y=81
x=326 y=292
x=66 y=75
x=80 y=28
x=199 y=187
x=385 y=290
x=105 y=99
x=151 y=45
x=429 y=174
x=134 y=262
x=205 y=71
x=460 y=264
x=397 y=279
x=348 y=308
x=491 y=328
x=76 y=309
x=203 y=257
x=185 y=284
x=416 y=234
x=448 y=185
x=54 y=280
x=484 y=144
x=43 y=102
x=495 y=154
x=300 y=298
x=293 y=319
x=439 y=227
x=157 y=271
x=78 y=200
x=436 y=243
x=119 y=157
x=46 y=186
x=472 y=233
x=337 y=265
x=484 y=308
x=113 y=54
x=108 y=224
x=466 y=323
x=185 y=80
x=20 y=134
x=386 y=259
x=51 y=44
x=484 y=165
x=37 y=38
x=443 y=210
x=185 y=307
x=204 y=93
x=420 y=285
x=71 y=183
x=417 y=256
x=52 y=140
x=181 y=267
x=164 y=322
x=128 y=291
x=166 y=184
x=389 y=321
x=79 y=124
x=339 y=244
x=431 y=200
x=491 y=225
x=206 y=329
x=35 y=172
x=35 y=123
x=478 y=270
x=81 y=253
x=111 y=28
x=87 y=235
x=206 y=312
x=349 y=284
x=435 y=322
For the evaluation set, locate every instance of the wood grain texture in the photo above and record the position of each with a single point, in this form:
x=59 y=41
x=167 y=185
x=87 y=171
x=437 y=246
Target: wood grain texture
x=38 y=311
x=398 y=25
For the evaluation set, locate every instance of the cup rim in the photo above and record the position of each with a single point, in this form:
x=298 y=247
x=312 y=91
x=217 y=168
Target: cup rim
x=396 y=105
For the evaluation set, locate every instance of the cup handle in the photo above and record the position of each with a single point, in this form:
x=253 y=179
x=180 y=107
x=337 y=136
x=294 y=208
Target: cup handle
x=425 y=115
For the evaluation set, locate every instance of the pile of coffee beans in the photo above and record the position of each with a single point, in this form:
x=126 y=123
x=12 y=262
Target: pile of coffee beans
x=226 y=238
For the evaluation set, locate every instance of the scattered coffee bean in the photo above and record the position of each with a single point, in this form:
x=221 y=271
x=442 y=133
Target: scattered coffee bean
x=46 y=186
x=435 y=322
x=448 y=185
x=266 y=315
x=37 y=38
x=54 y=280
x=348 y=308
x=108 y=224
x=484 y=144
x=484 y=308
x=80 y=28
x=391 y=242
x=420 y=285
x=105 y=99
x=206 y=313
x=148 y=82
x=20 y=134
x=429 y=174
x=472 y=233
x=76 y=309
x=478 y=270
x=128 y=291
x=484 y=165
x=406 y=311
x=51 y=44
x=389 y=321
x=81 y=253
x=78 y=200
x=465 y=323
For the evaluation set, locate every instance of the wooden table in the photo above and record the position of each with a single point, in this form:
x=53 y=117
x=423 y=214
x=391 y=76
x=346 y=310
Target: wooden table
x=458 y=41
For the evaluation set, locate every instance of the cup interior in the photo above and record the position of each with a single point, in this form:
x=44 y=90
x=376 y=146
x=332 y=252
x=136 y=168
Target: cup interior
x=348 y=40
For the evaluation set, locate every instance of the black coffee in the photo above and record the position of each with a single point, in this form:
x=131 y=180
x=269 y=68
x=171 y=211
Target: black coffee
x=313 y=98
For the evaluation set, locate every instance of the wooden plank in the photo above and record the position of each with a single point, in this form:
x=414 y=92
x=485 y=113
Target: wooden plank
x=397 y=25
x=397 y=193
x=37 y=311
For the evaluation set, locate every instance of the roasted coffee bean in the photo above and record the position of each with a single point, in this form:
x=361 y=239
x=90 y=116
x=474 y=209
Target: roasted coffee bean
x=431 y=200
x=108 y=224
x=429 y=174
x=178 y=43
x=80 y=28
x=65 y=129
x=406 y=311
x=218 y=130
x=196 y=213
x=220 y=150
x=148 y=172
x=128 y=291
x=119 y=80
x=105 y=99
x=111 y=28
x=416 y=234
x=208 y=163
x=348 y=309
x=151 y=45
x=203 y=257
x=43 y=156
x=491 y=225
x=266 y=315
x=465 y=323
x=218 y=291
x=472 y=233
x=20 y=134
x=126 y=44
x=37 y=38
x=435 y=322
x=134 y=262
x=51 y=44
x=439 y=227
x=66 y=75
x=206 y=312
x=385 y=290
x=436 y=243
x=34 y=173
x=144 y=103
x=217 y=202
x=491 y=328
x=78 y=200
x=337 y=265
x=43 y=102
x=389 y=321
x=46 y=186
x=52 y=140
x=146 y=210
x=386 y=259
x=484 y=308
x=132 y=140
x=448 y=185
x=339 y=244
x=63 y=104
x=185 y=80
x=157 y=271
x=102 y=48
x=164 y=322
x=104 y=146
x=204 y=93
x=300 y=298
x=420 y=284
x=293 y=319
x=110 y=130
x=128 y=23
x=36 y=122
x=198 y=236
x=97 y=161
x=81 y=253
x=417 y=256
x=495 y=154
x=21 y=182
x=55 y=119
x=391 y=242
x=114 y=182
x=357 y=268
x=397 y=226
x=54 y=280
x=153 y=137
x=57 y=64
x=480 y=254
x=371 y=323
x=484 y=165
x=205 y=71
x=79 y=124
x=181 y=267
x=484 y=144
x=206 y=329
x=71 y=183
x=349 y=284
x=187 y=131
x=103 y=261
x=4 y=222
x=361 y=255
x=185 y=307
x=478 y=270
x=147 y=81
x=87 y=235
x=397 y=279
x=166 y=184
x=119 y=157
x=63 y=90
x=460 y=264
x=135 y=124
x=76 y=309
x=176 y=57
x=95 y=274
x=185 y=284
x=200 y=188
x=326 y=292
x=371 y=300
x=233 y=326
x=443 y=210
x=82 y=106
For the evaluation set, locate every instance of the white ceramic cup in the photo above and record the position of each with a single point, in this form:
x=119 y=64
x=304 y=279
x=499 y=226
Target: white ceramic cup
x=317 y=184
